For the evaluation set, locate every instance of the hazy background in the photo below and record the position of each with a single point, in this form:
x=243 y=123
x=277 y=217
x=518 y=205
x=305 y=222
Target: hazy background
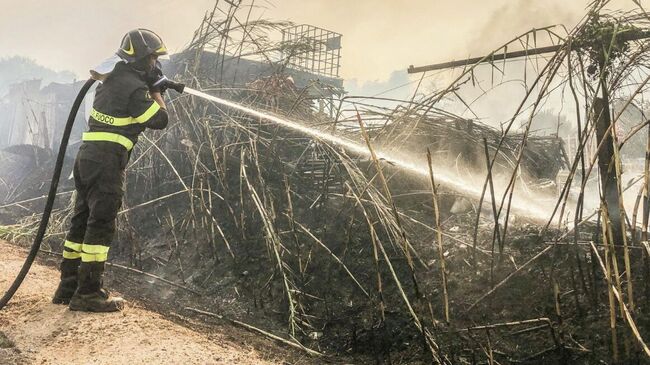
x=380 y=38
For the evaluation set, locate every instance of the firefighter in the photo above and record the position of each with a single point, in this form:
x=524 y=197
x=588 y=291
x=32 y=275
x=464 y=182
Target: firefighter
x=128 y=101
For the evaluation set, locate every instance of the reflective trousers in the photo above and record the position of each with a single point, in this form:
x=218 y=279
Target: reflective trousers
x=99 y=172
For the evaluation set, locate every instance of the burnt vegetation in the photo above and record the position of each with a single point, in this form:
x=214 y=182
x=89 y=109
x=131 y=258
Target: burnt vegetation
x=355 y=256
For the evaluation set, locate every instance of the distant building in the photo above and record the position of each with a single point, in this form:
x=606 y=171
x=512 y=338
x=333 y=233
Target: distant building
x=30 y=115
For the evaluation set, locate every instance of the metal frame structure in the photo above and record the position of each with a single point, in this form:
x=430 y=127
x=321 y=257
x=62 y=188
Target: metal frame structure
x=323 y=58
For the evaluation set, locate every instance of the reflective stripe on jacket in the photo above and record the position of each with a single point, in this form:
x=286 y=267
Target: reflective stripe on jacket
x=123 y=108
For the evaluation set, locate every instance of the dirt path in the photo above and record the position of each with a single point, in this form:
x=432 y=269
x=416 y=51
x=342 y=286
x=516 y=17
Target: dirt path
x=34 y=331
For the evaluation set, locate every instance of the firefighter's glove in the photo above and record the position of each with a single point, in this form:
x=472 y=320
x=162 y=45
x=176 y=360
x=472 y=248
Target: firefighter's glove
x=160 y=83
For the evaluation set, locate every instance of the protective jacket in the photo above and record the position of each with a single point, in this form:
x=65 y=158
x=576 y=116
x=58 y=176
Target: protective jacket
x=123 y=108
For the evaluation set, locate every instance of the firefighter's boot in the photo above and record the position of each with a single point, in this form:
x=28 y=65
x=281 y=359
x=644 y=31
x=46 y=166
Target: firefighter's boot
x=68 y=283
x=90 y=297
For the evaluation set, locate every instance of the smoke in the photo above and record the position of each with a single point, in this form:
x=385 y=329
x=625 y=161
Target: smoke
x=494 y=96
x=516 y=17
x=378 y=36
x=18 y=69
x=397 y=86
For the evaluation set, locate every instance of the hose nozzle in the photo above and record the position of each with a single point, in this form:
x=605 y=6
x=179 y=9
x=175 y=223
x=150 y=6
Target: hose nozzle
x=164 y=83
x=179 y=87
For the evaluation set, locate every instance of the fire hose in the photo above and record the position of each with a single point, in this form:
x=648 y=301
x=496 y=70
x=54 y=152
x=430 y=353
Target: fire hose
x=54 y=184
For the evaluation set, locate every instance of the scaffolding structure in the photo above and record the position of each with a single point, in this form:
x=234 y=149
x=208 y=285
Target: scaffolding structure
x=324 y=54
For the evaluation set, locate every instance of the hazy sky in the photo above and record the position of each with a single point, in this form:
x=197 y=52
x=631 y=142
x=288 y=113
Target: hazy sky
x=379 y=36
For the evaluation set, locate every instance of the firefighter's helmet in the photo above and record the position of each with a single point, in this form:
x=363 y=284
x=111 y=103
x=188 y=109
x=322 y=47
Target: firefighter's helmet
x=140 y=43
